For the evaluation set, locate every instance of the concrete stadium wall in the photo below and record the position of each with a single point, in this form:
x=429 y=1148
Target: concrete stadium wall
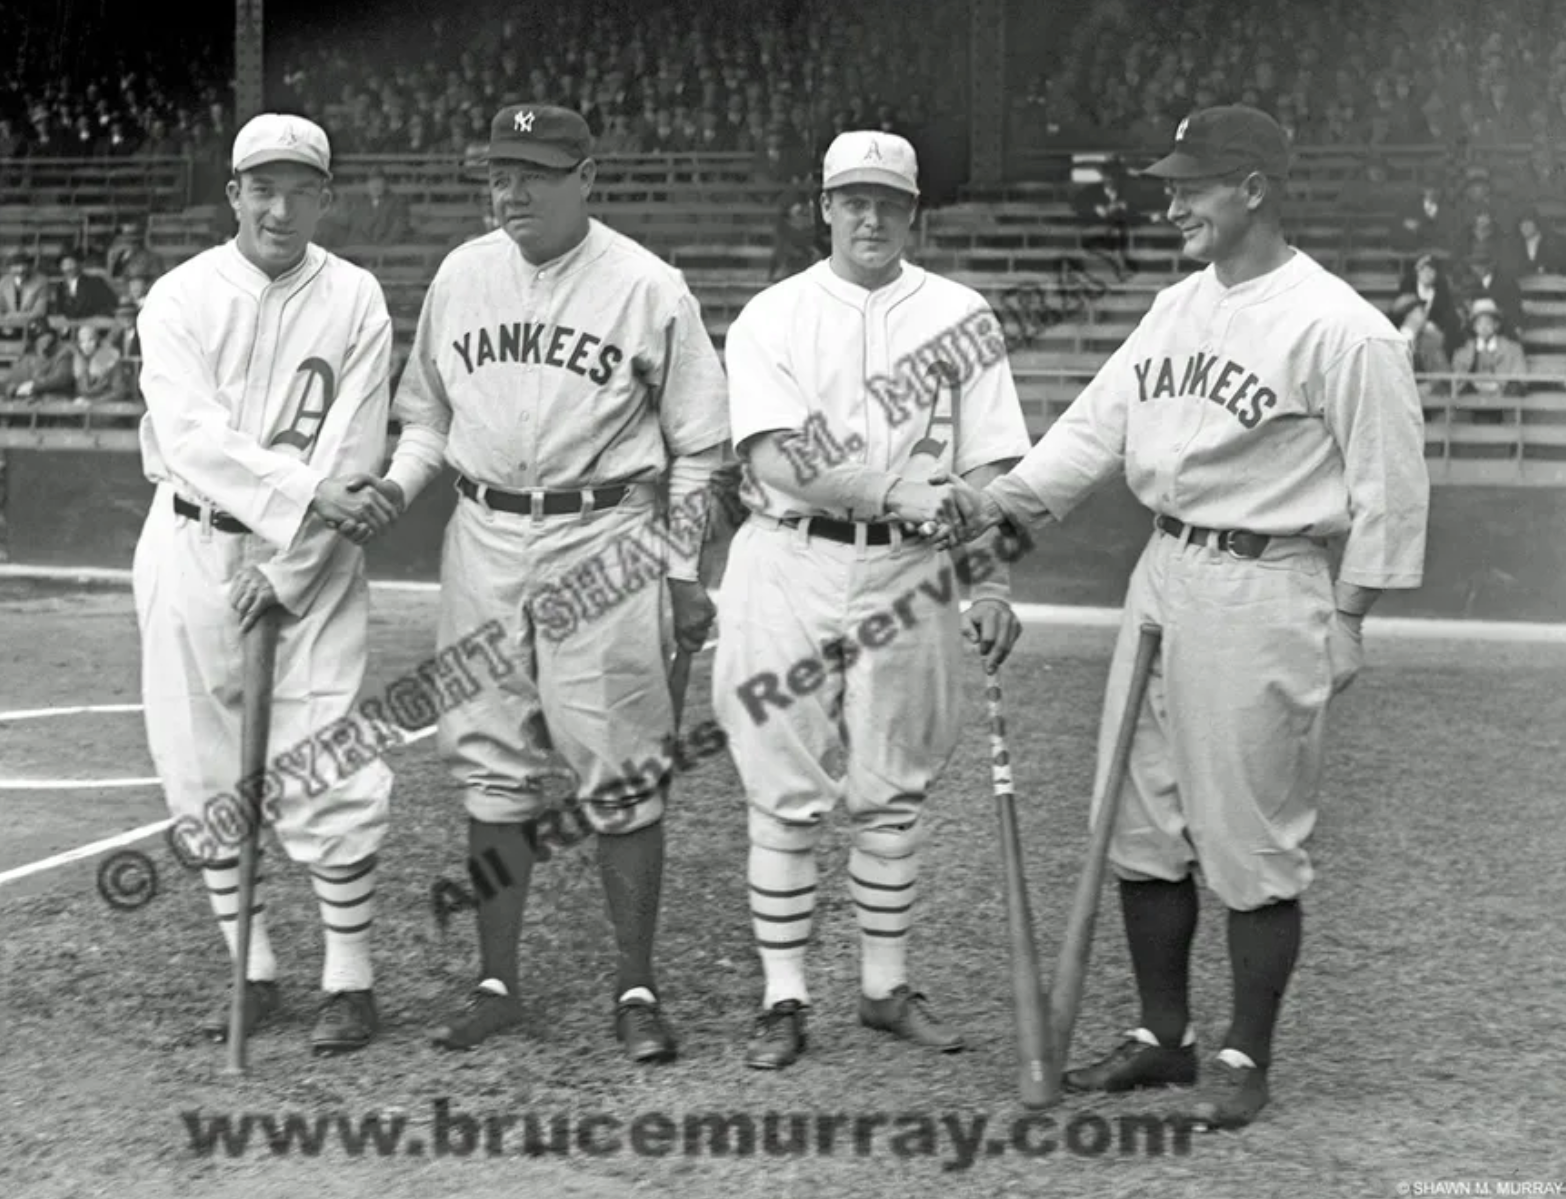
x=1495 y=553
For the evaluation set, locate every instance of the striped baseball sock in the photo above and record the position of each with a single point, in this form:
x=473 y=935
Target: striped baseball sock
x=347 y=896
x=883 y=893
x=782 y=909
x=223 y=890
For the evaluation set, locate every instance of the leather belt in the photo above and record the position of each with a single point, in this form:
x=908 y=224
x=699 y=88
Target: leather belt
x=1239 y=542
x=551 y=503
x=844 y=531
x=223 y=524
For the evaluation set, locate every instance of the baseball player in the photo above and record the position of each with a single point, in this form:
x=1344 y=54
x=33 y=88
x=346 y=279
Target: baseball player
x=1260 y=409
x=836 y=675
x=565 y=374
x=264 y=367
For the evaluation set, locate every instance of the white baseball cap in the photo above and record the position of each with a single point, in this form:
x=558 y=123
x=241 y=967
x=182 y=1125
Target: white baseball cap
x=278 y=137
x=870 y=156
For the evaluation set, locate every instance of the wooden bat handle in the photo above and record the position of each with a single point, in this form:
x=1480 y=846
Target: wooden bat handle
x=1077 y=944
x=255 y=732
x=1038 y=1081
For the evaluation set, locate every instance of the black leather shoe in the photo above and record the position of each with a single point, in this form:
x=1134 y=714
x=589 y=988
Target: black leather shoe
x=640 y=1026
x=1135 y=1064
x=1232 y=1098
x=779 y=1036
x=906 y=1013
x=262 y=1002
x=348 y=1021
x=484 y=1015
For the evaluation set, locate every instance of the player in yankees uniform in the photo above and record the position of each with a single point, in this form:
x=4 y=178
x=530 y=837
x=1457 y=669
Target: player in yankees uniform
x=837 y=669
x=1260 y=410
x=265 y=370
x=564 y=372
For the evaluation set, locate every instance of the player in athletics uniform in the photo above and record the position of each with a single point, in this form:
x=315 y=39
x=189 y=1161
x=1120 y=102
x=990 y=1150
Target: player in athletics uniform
x=564 y=372
x=265 y=371
x=837 y=669
x=1260 y=409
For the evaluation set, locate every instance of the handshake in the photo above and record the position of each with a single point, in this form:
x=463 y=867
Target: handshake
x=359 y=507
x=944 y=509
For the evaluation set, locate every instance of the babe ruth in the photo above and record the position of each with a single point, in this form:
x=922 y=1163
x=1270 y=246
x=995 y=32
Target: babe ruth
x=859 y=354
x=564 y=372
x=1259 y=409
x=265 y=372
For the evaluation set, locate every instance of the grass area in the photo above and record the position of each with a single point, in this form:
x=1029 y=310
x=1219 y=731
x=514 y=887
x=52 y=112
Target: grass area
x=1419 y=1041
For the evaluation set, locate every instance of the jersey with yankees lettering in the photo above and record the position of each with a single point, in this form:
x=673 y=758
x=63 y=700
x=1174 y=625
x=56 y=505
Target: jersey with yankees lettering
x=546 y=377
x=1285 y=405
x=866 y=375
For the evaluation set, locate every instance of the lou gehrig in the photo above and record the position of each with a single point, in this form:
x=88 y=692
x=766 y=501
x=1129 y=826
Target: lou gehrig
x=1260 y=410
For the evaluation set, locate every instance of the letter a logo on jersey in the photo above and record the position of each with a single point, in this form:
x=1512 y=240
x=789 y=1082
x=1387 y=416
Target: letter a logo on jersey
x=523 y=122
x=306 y=425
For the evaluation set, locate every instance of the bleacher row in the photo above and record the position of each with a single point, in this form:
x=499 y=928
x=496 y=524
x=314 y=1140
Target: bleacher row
x=1064 y=307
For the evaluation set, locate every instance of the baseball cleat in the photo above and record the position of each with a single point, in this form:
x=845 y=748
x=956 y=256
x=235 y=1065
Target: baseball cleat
x=779 y=1036
x=482 y=1016
x=639 y=1026
x=1233 y=1097
x=907 y=1014
x=1138 y=1061
x=263 y=1001
x=348 y=1021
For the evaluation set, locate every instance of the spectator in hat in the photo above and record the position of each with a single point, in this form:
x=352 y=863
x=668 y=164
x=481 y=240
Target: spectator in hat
x=1426 y=279
x=1489 y=352
x=794 y=245
x=380 y=216
x=1426 y=343
x=24 y=294
x=78 y=296
x=46 y=369
x=128 y=255
x=1488 y=278
x=1426 y=225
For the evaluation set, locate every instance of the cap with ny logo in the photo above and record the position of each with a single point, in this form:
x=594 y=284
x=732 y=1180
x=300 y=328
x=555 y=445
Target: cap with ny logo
x=539 y=133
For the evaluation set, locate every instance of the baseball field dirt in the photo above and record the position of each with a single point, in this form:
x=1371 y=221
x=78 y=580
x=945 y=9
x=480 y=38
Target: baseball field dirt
x=1418 y=1043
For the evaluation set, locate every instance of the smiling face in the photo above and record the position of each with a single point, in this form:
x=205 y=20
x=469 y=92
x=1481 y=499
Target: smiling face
x=1214 y=214
x=870 y=227
x=543 y=209
x=278 y=206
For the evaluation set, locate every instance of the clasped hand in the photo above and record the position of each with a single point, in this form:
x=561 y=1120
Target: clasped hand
x=945 y=509
x=359 y=507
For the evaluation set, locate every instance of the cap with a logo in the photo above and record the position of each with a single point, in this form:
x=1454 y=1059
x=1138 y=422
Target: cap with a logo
x=1216 y=141
x=541 y=134
x=869 y=156
x=278 y=137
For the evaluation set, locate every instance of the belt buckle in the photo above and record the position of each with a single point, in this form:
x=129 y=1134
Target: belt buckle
x=535 y=505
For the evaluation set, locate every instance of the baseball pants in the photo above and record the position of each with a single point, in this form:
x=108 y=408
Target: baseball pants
x=584 y=611
x=192 y=667
x=1227 y=757
x=872 y=723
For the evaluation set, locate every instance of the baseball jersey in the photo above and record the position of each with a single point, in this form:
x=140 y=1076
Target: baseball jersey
x=1285 y=405
x=528 y=377
x=259 y=389
x=860 y=373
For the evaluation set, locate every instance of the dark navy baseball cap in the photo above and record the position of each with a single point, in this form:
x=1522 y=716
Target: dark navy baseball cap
x=541 y=134
x=1216 y=141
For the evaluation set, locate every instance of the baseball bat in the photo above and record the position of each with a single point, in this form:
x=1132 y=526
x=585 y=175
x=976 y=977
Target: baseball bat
x=1077 y=944
x=1038 y=1078
x=679 y=681
x=255 y=731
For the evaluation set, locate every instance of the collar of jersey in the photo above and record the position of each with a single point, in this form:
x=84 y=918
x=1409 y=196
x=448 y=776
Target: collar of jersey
x=860 y=297
x=1255 y=290
x=313 y=256
x=584 y=251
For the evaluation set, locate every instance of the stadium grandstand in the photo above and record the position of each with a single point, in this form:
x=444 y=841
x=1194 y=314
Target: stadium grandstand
x=1427 y=140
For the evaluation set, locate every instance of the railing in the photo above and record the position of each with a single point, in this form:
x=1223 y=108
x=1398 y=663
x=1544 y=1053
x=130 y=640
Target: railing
x=145 y=184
